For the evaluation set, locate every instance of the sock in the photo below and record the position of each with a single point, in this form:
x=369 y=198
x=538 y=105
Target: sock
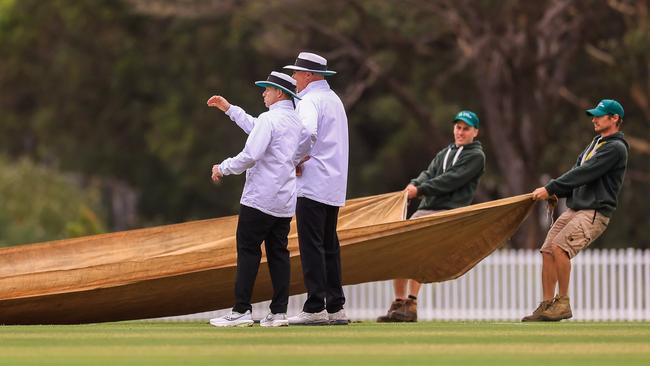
x=414 y=298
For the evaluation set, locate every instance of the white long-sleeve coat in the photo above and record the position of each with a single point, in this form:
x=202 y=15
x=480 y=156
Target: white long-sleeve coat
x=268 y=158
x=325 y=175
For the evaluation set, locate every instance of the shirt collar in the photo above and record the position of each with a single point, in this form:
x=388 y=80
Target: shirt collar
x=315 y=85
x=284 y=104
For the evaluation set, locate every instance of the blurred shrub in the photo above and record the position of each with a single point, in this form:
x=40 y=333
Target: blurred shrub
x=40 y=204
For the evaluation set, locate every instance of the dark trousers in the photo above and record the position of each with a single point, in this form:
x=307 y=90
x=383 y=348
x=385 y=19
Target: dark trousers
x=253 y=227
x=320 y=255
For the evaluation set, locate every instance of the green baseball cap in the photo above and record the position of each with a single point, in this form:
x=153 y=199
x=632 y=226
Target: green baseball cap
x=605 y=107
x=468 y=117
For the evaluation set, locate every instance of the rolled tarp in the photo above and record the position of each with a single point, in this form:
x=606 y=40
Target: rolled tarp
x=190 y=267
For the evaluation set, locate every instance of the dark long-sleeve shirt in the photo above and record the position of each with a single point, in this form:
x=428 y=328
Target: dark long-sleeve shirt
x=595 y=181
x=454 y=186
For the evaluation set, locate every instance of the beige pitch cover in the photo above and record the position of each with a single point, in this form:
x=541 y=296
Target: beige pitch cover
x=190 y=267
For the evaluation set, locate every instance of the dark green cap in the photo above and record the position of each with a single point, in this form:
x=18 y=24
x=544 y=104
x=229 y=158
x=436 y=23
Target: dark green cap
x=605 y=107
x=468 y=117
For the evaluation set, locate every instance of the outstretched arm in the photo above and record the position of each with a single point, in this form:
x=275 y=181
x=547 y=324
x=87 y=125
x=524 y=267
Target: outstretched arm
x=604 y=159
x=237 y=114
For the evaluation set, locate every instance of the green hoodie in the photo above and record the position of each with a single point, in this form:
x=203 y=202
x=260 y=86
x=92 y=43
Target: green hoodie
x=596 y=182
x=455 y=187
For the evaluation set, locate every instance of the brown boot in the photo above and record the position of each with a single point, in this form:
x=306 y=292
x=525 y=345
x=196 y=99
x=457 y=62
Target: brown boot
x=560 y=309
x=388 y=317
x=535 y=316
x=407 y=313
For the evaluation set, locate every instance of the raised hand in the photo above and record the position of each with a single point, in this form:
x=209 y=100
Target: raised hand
x=217 y=101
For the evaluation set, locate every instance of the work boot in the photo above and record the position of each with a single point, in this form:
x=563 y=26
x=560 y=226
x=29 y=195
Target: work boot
x=560 y=309
x=389 y=315
x=408 y=312
x=535 y=316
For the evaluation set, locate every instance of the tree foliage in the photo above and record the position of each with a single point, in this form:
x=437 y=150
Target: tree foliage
x=39 y=204
x=116 y=90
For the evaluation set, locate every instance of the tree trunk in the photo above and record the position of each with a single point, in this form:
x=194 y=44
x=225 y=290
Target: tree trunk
x=517 y=166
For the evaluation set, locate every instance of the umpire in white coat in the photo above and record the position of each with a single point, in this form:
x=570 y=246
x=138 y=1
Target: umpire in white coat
x=323 y=159
x=269 y=198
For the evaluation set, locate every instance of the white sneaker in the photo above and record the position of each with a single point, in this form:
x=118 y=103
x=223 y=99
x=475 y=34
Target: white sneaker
x=304 y=318
x=234 y=319
x=275 y=320
x=338 y=318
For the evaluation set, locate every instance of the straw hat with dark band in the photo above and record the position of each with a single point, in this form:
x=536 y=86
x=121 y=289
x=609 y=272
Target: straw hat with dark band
x=280 y=81
x=311 y=62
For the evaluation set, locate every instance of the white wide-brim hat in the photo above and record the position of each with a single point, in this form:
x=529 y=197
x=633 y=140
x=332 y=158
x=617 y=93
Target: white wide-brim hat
x=311 y=62
x=280 y=81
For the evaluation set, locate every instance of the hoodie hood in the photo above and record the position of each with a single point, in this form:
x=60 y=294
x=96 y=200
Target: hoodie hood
x=618 y=136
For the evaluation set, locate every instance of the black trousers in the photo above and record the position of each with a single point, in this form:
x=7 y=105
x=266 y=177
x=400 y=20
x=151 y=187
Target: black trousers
x=253 y=227
x=320 y=255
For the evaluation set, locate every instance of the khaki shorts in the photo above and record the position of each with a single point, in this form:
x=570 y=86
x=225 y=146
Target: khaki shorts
x=420 y=213
x=575 y=230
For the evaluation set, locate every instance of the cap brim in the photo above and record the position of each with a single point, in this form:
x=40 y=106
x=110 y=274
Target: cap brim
x=469 y=123
x=265 y=83
x=298 y=68
x=595 y=112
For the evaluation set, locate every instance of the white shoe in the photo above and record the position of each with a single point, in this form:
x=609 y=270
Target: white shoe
x=304 y=318
x=234 y=319
x=338 y=318
x=275 y=320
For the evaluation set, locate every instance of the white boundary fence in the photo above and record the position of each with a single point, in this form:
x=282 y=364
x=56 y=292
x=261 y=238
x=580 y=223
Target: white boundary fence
x=605 y=285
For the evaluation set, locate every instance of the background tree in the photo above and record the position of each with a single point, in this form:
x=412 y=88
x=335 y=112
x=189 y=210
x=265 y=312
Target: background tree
x=115 y=91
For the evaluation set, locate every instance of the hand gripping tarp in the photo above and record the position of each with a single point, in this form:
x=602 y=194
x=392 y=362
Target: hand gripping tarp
x=190 y=267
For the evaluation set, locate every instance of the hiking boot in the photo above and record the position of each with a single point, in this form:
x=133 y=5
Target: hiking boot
x=234 y=319
x=535 y=316
x=389 y=315
x=275 y=320
x=304 y=318
x=338 y=318
x=560 y=309
x=408 y=312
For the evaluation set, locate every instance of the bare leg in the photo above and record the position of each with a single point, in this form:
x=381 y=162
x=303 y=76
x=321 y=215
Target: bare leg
x=414 y=287
x=549 y=276
x=563 y=266
x=400 y=288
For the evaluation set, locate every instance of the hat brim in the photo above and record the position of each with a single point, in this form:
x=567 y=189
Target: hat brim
x=265 y=83
x=468 y=121
x=298 y=68
x=595 y=112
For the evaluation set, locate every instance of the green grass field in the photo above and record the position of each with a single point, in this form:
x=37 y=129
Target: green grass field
x=451 y=343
